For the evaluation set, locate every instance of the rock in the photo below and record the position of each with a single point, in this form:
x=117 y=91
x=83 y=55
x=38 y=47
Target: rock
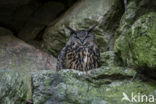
x=135 y=9
x=29 y=17
x=13 y=90
x=4 y=31
x=137 y=44
x=23 y=58
x=100 y=86
x=41 y=18
x=69 y=3
x=14 y=14
x=83 y=15
x=107 y=58
x=15 y=2
x=22 y=15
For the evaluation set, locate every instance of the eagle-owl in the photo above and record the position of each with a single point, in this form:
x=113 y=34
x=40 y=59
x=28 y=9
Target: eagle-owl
x=80 y=52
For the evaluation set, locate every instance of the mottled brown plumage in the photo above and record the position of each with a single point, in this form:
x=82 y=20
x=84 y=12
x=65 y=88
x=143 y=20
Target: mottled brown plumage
x=80 y=52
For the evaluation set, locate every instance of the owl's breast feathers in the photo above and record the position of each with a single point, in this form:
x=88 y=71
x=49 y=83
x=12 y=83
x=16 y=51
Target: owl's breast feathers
x=80 y=57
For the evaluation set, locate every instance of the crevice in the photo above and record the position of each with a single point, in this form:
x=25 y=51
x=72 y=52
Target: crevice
x=113 y=77
x=9 y=28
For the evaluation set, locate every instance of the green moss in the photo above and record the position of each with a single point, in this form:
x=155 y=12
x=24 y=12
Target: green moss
x=47 y=82
x=137 y=45
x=54 y=52
x=101 y=41
x=95 y=87
x=12 y=87
x=107 y=58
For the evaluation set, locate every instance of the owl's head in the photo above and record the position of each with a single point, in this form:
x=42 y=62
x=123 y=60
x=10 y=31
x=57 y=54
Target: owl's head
x=82 y=37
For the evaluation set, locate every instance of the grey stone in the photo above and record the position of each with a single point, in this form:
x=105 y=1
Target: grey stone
x=23 y=58
x=41 y=18
x=13 y=90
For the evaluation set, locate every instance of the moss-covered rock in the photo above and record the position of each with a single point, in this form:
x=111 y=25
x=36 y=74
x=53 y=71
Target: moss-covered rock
x=137 y=45
x=16 y=55
x=107 y=58
x=100 y=86
x=13 y=90
x=83 y=15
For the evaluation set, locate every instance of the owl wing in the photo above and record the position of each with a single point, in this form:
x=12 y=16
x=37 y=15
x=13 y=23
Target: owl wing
x=97 y=55
x=61 y=59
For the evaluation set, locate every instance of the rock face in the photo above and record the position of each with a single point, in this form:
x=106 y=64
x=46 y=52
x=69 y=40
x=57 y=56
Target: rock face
x=21 y=57
x=16 y=53
x=108 y=58
x=138 y=44
x=41 y=18
x=100 y=86
x=83 y=15
x=28 y=18
x=14 y=14
x=13 y=90
x=135 y=44
x=29 y=73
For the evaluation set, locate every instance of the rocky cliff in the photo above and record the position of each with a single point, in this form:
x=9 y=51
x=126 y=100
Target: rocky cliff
x=32 y=33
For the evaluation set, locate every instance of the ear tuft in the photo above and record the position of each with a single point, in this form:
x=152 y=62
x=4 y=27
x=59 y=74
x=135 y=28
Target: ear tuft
x=72 y=30
x=89 y=30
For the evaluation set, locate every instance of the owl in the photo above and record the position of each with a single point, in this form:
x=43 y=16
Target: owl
x=80 y=52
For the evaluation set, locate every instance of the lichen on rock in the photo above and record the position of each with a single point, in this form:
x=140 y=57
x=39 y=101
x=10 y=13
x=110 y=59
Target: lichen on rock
x=137 y=45
x=108 y=58
x=19 y=56
x=13 y=89
x=100 y=86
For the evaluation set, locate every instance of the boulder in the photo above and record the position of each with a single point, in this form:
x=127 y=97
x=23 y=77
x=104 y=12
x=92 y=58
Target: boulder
x=41 y=18
x=22 y=15
x=28 y=18
x=14 y=14
x=5 y=32
x=83 y=15
x=100 y=86
x=13 y=89
x=137 y=44
x=23 y=58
